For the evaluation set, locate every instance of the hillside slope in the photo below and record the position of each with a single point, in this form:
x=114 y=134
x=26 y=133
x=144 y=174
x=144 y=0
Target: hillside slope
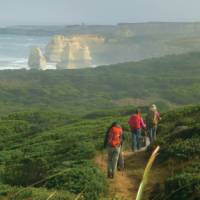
x=55 y=152
x=176 y=174
x=172 y=80
x=51 y=152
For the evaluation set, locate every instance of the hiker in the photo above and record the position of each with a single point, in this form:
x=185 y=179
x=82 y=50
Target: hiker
x=136 y=123
x=153 y=118
x=113 y=143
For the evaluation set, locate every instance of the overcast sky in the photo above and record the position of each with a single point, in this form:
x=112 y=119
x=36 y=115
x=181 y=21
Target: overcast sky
x=56 y=12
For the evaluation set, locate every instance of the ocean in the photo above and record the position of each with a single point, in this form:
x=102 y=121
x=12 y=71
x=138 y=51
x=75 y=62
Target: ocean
x=15 y=49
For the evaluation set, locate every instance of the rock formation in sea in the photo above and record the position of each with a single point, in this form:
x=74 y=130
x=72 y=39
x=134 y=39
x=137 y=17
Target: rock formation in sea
x=73 y=52
x=55 y=49
x=37 y=60
x=75 y=55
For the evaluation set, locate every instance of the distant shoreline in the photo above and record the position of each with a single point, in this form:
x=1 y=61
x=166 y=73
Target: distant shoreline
x=91 y=24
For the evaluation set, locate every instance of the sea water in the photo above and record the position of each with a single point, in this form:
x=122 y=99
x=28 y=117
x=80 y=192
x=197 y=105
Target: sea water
x=15 y=49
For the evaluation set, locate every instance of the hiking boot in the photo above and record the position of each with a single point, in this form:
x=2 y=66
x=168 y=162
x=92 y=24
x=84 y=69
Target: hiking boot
x=119 y=168
x=109 y=175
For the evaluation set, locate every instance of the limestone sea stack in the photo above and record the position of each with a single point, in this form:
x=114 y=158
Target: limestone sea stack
x=75 y=55
x=55 y=49
x=69 y=52
x=37 y=60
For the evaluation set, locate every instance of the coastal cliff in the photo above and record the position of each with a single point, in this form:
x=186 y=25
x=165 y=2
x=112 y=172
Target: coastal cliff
x=72 y=52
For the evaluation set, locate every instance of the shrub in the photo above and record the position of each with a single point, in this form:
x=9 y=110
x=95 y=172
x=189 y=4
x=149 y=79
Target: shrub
x=86 y=179
x=25 y=172
x=186 y=149
x=182 y=186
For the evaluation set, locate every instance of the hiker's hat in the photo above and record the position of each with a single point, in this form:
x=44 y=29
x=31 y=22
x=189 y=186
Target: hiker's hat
x=153 y=106
x=115 y=123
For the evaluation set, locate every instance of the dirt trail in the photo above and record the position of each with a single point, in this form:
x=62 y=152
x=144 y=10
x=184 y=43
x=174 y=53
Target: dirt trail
x=126 y=183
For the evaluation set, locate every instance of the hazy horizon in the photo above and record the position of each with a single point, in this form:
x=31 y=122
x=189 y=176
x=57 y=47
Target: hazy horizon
x=93 y=12
x=98 y=24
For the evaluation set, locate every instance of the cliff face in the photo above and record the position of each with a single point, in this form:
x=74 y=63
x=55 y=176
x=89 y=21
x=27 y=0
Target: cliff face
x=75 y=55
x=37 y=60
x=72 y=52
x=55 y=49
x=163 y=28
x=115 y=44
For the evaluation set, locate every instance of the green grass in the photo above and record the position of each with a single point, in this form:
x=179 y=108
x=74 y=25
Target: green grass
x=179 y=138
x=55 y=155
x=170 y=80
x=62 y=116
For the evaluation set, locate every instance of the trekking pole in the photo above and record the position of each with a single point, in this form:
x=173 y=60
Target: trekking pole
x=122 y=163
x=145 y=136
x=102 y=157
x=147 y=140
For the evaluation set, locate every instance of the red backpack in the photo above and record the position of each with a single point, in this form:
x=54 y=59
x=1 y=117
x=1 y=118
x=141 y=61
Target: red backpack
x=135 y=122
x=114 y=137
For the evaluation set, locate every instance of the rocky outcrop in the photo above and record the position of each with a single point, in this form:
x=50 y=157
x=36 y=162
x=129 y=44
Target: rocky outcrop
x=75 y=55
x=37 y=60
x=88 y=39
x=55 y=49
x=73 y=52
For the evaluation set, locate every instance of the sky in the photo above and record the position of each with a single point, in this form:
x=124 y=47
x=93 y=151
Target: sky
x=67 y=12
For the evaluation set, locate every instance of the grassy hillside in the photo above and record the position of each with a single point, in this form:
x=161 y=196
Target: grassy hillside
x=179 y=138
x=49 y=151
x=50 y=144
x=46 y=152
x=171 y=80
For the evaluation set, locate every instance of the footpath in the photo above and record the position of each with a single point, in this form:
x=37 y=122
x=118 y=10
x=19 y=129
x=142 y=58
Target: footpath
x=126 y=182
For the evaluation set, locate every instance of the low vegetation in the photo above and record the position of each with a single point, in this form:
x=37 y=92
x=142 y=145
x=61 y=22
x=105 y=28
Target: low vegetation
x=180 y=143
x=45 y=152
x=52 y=125
x=168 y=81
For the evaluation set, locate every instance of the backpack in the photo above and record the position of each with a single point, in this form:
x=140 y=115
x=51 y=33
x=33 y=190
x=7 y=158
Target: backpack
x=114 y=136
x=135 y=122
x=152 y=118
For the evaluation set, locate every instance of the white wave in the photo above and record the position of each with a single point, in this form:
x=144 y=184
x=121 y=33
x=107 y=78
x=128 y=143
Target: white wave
x=12 y=67
x=20 y=61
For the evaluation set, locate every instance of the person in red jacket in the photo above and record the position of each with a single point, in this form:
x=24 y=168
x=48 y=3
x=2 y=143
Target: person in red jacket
x=112 y=141
x=136 y=123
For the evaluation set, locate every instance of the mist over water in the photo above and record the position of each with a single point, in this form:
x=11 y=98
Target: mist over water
x=15 y=49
